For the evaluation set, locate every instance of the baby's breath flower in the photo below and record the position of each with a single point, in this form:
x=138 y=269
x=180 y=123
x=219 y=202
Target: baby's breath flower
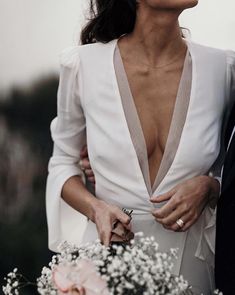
x=137 y=269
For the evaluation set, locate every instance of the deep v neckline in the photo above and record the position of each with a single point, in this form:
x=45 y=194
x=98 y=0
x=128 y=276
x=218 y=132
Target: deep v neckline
x=134 y=124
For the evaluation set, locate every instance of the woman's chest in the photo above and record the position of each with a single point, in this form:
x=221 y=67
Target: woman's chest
x=112 y=144
x=154 y=93
x=115 y=146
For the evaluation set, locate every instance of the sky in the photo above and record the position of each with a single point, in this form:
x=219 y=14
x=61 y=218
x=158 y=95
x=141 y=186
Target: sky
x=33 y=33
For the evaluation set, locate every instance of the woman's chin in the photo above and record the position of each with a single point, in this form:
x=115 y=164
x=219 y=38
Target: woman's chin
x=171 y=4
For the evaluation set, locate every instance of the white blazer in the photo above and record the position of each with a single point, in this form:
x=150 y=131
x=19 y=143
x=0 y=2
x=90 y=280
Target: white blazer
x=90 y=111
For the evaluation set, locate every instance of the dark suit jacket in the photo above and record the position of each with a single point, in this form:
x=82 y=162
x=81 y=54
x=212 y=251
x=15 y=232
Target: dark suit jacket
x=225 y=232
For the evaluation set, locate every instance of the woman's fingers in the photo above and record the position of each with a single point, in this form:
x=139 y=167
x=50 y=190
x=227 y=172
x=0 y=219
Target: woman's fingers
x=122 y=217
x=122 y=231
x=186 y=203
x=188 y=219
x=171 y=218
x=164 y=197
x=116 y=238
x=167 y=209
x=110 y=219
x=105 y=236
x=187 y=225
x=119 y=229
x=119 y=233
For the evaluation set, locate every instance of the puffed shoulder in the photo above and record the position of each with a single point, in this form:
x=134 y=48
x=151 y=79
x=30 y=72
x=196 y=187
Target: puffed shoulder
x=69 y=56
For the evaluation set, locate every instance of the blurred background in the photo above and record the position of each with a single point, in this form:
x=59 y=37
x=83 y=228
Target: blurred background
x=32 y=35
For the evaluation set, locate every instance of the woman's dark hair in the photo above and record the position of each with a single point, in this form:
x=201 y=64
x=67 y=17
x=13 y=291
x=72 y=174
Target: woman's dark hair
x=109 y=19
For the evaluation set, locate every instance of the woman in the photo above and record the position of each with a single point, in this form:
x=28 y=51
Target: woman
x=150 y=105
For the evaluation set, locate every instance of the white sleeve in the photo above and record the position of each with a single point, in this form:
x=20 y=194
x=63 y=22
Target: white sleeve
x=68 y=131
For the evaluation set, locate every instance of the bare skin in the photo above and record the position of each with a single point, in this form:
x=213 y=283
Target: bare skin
x=102 y=214
x=155 y=41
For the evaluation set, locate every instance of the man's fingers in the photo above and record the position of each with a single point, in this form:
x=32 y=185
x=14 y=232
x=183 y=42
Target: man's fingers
x=84 y=163
x=89 y=172
x=84 y=151
x=91 y=179
x=163 y=197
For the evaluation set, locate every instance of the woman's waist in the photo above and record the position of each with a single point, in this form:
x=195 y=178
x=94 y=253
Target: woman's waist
x=140 y=206
x=133 y=196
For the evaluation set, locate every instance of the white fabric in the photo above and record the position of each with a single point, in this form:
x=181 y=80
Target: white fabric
x=90 y=110
x=135 y=126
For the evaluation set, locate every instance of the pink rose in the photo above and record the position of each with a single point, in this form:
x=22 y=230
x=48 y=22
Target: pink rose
x=79 y=279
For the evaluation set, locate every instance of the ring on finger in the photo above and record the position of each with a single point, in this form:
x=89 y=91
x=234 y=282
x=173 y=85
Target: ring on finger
x=180 y=222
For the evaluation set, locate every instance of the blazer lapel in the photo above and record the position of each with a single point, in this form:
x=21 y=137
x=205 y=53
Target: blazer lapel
x=229 y=163
x=229 y=166
x=230 y=126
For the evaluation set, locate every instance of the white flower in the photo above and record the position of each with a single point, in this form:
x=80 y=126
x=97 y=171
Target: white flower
x=138 y=266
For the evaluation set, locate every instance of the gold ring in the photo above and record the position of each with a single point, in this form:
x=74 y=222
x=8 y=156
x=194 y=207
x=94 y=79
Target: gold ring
x=180 y=222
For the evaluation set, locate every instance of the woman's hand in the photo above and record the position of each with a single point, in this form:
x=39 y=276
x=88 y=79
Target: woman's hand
x=186 y=201
x=113 y=225
x=85 y=165
x=105 y=215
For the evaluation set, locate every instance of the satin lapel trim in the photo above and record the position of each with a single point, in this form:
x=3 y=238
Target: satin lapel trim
x=134 y=125
x=177 y=123
x=132 y=118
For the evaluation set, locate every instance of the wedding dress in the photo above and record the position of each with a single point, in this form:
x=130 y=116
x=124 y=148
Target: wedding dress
x=95 y=106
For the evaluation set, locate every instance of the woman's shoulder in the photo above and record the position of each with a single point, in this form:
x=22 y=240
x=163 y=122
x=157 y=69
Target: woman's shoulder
x=69 y=56
x=206 y=48
x=213 y=53
x=72 y=55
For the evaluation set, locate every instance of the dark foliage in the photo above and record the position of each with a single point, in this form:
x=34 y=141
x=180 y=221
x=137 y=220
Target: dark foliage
x=31 y=111
x=25 y=116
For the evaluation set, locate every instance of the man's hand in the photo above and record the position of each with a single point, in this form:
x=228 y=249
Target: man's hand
x=85 y=165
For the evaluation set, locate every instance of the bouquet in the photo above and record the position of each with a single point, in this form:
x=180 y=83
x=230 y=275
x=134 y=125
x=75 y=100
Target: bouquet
x=137 y=268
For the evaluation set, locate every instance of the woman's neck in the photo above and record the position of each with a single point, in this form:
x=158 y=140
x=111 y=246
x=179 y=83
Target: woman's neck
x=157 y=36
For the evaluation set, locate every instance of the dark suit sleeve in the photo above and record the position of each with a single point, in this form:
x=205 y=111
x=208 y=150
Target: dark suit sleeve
x=216 y=170
x=225 y=224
